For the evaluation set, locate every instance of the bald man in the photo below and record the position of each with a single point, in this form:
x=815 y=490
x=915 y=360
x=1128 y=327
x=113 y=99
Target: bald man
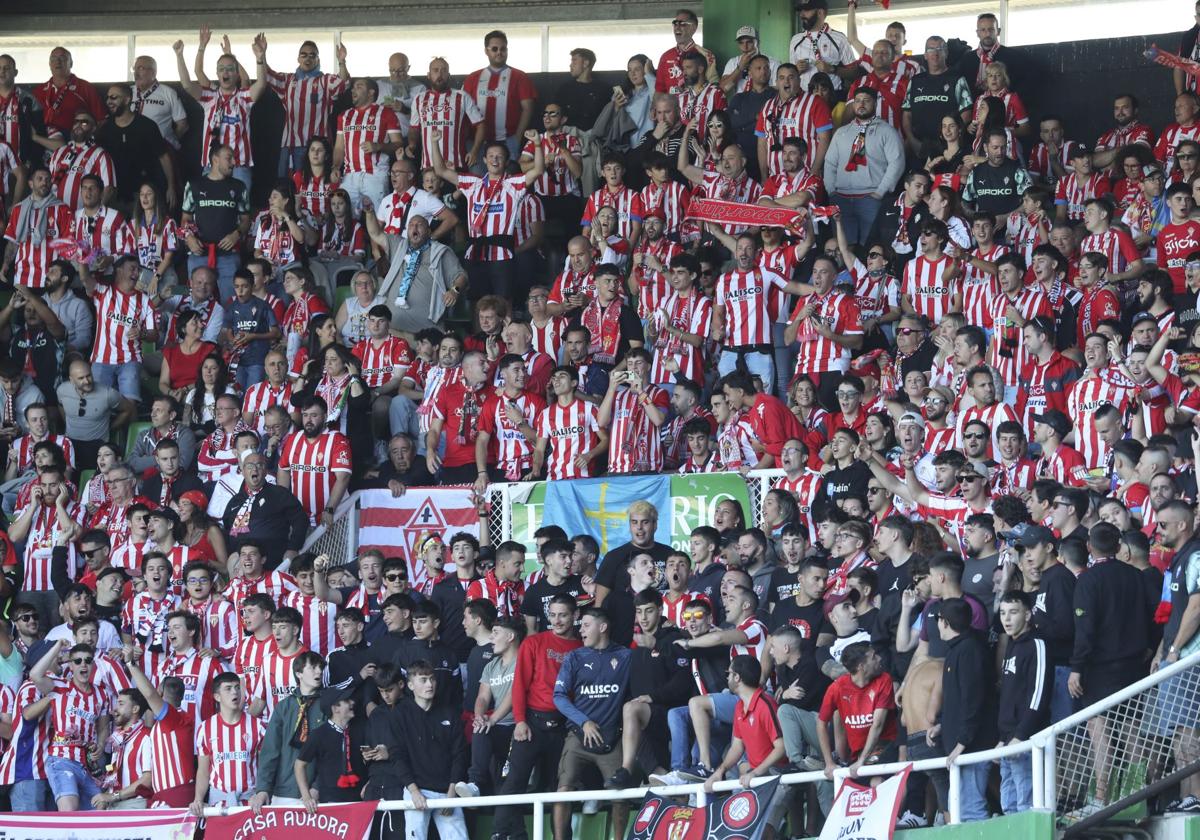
x=398 y=89
x=157 y=102
x=65 y=94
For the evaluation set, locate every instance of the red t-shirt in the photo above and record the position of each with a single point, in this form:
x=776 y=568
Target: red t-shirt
x=758 y=727
x=773 y=423
x=1175 y=242
x=857 y=707
x=450 y=406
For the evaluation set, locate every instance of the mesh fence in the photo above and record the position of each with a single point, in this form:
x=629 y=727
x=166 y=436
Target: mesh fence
x=1117 y=753
x=332 y=540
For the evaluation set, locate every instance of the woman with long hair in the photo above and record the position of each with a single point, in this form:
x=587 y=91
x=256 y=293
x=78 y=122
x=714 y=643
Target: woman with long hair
x=944 y=205
x=347 y=398
x=201 y=533
x=806 y=406
x=181 y=361
x=340 y=242
x=95 y=492
x=995 y=86
x=989 y=117
x=306 y=303
x=636 y=95
x=306 y=367
x=277 y=233
x=607 y=243
x=944 y=154
x=312 y=184
x=157 y=236
x=201 y=399
x=718 y=135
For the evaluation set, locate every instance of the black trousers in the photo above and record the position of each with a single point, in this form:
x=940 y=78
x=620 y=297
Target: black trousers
x=542 y=752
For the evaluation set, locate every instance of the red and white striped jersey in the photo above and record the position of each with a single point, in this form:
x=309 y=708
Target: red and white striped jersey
x=32 y=261
x=691 y=313
x=233 y=750
x=623 y=201
x=274 y=584
x=634 y=445
x=312 y=195
x=979 y=287
x=313 y=467
x=8 y=165
x=734 y=444
x=784 y=262
x=557 y=179
x=1115 y=244
x=992 y=416
x=891 y=89
x=1124 y=135
x=197 y=673
x=117 y=313
x=1010 y=479
x=360 y=599
x=1006 y=352
x=111 y=674
x=491 y=211
x=1066 y=466
x=220 y=629
x=1073 y=192
x=383 y=362
x=394 y=211
x=367 y=124
x=806 y=487
x=22 y=449
x=227 y=121
x=756 y=639
x=40 y=544
x=530 y=213
x=928 y=287
x=651 y=283
x=153 y=245
x=248 y=663
x=695 y=106
x=1045 y=386
x=508 y=449
x=571 y=431
x=144 y=618
x=277 y=679
x=451 y=111
x=498 y=95
x=127 y=555
x=106 y=232
x=10 y=119
x=840 y=313
x=548 y=338
x=938 y=441
x=571 y=283
x=672 y=198
x=431 y=380
x=262 y=396
x=743 y=190
x=73 y=718
x=875 y=296
x=745 y=297
x=802 y=116
x=216 y=458
x=1171 y=137
x=791 y=183
x=1085 y=397
x=25 y=757
x=672 y=607
x=318 y=632
x=306 y=104
x=1014 y=109
x=274 y=240
x=71 y=162
x=336 y=240
x=506 y=595
x=674 y=441
x=1039 y=160
x=173 y=747
x=1023 y=233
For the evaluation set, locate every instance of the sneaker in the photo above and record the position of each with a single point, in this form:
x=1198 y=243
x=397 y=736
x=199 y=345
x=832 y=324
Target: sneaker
x=812 y=762
x=698 y=773
x=591 y=806
x=669 y=779
x=1187 y=805
x=619 y=780
x=466 y=790
x=910 y=820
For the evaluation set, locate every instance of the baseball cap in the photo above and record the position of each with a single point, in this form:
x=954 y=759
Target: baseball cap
x=197 y=498
x=1056 y=420
x=1142 y=317
x=167 y=513
x=655 y=213
x=35 y=653
x=812 y=5
x=1080 y=150
x=867 y=364
x=979 y=468
x=911 y=417
x=851 y=595
x=334 y=694
x=747 y=32
x=1151 y=169
x=124 y=258
x=1027 y=535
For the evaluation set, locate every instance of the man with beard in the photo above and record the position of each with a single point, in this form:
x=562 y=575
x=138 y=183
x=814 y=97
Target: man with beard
x=865 y=161
x=678 y=326
x=1128 y=130
x=449 y=110
x=34 y=223
x=456 y=409
x=996 y=186
x=698 y=97
x=1155 y=312
x=981 y=386
x=265 y=513
x=71 y=310
x=819 y=49
x=1047 y=376
x=508 y=417
x=793 y=113
x=972 y=64
x=747 y=101
x=136 y=146
x=79 y=157
x=899 y=222
x=982 y=556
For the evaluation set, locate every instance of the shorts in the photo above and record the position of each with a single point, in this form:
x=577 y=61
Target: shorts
x=1177 y=705
x=70 y=778
x=575 y=760
x=1101 y=682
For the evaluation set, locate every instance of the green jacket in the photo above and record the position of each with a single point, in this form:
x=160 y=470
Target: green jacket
x=277 y=756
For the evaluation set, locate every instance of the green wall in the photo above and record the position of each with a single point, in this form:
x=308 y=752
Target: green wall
x=722 y=18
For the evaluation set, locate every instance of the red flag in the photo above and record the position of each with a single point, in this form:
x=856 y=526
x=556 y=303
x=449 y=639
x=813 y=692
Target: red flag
x=349 y=821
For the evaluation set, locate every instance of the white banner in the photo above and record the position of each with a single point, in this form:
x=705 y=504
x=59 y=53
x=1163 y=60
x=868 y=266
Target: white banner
x=866 y=813
x=153 y=824
x=394 y=525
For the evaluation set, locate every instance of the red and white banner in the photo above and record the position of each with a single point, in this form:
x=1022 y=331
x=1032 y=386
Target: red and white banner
x=350 y=821
x=866 y=813
x=394 y=526
x=153 y=824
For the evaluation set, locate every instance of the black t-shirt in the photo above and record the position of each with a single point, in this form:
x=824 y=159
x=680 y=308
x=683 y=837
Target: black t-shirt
x=536 y=602
x=810 y=621
x=582 y=101
x=851 y=480
x=977 y=579
x=893 y=580
x=613 y=572
x=784 y=585
x=809 y=676
x=326 y=749
x=930 y=98
x=479 y=657
x=997 y=188
x=216 y=207
x=622 y=616
x=135 y=151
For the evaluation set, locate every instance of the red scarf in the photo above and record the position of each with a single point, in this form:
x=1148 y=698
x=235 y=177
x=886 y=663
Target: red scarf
x=605 y=327
x=468 y=425
x=858 y=148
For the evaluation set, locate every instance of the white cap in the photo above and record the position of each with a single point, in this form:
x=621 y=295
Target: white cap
x=747 y=32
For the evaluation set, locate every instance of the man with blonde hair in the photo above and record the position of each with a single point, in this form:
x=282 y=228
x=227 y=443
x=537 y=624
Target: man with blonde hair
x=613 y=572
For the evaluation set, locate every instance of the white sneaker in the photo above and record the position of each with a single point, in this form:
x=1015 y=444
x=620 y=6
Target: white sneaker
x=591 y=806
x=466 y=790
x=669 y=779
x=402 y=302
x=910 y=820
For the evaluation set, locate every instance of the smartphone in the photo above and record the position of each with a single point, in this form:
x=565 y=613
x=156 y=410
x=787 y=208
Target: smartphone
x=618 y=90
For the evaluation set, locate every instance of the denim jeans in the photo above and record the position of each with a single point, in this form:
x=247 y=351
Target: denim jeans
x=758 y=364
x=227 y=264
x=491 y=277
x=679 y=722
x=1016 y=784
x=29 y=795
x=973 y=792
x=70 y=778
x=858 y=216
x=248 y=375
x=125 y=377
x=785 y=358
x=1062 y=705
x=450 y=826
x=291 y=158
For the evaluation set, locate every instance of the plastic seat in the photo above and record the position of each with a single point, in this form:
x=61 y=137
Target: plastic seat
x=133 y=433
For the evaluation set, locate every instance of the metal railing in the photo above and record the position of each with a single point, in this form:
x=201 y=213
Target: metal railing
x=1059 y=756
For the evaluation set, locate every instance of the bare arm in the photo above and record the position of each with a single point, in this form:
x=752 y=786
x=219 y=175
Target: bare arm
x=439 y=165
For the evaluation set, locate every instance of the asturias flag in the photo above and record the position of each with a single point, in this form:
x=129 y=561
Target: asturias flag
x=600 y=507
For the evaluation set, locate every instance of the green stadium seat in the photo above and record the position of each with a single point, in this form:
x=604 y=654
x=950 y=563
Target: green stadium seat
x=84 y=478
x=134 y=432
x=340 y=295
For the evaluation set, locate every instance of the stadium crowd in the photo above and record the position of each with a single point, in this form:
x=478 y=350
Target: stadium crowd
x=967 y=345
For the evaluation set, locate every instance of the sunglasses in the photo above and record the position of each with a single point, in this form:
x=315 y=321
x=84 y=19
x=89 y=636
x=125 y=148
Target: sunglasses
x=394 y=577
x=974 y=436
x=876 y=255
x=847 y=395
x=871 y=491
x=27 y=617
x=909 y=331
x=82 y=406
x=83 y=660
x=682 y=23
x=1188 y=156
x=1064 y=503
x=970 y=477
x=89 y=553
x=693 y=615
x=551 y=113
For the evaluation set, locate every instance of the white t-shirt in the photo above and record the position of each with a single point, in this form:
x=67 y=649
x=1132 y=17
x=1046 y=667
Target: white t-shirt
x=388 y=98
x=160 y=103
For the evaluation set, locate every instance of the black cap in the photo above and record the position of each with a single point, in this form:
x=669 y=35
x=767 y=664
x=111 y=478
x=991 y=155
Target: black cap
x=35 y=653
x=334 y=694
x=812 y=5
x=1056 y=420
x=166 y=513
x=124 y=258
x=1080 y=150
x=1142 y=317
x=1027 y=535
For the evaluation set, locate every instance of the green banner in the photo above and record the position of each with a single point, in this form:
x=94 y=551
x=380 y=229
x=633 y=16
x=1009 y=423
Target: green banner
x=694 y=499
